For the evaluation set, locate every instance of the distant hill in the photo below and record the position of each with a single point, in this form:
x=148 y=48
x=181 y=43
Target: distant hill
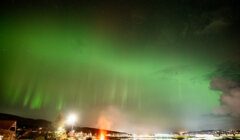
x=96 y=130
x=26 y=122
x=36 y=123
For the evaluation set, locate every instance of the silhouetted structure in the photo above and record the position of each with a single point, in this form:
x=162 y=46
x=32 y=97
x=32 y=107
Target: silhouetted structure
x=8 y=129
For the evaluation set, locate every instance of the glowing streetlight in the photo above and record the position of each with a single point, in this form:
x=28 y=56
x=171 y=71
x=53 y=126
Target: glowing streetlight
x=71 y=119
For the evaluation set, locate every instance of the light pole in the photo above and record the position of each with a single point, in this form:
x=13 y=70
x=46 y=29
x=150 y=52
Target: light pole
x=71 y=119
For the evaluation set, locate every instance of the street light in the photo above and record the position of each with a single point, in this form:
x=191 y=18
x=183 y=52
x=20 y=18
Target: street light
x=71 y=119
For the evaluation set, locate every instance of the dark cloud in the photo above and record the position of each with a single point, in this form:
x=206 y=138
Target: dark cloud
x=230 y=97
x=226 y=80
x=215 y=26
x=228 y=70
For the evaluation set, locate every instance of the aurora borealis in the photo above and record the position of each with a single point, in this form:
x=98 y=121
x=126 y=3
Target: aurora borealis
x=145 y=65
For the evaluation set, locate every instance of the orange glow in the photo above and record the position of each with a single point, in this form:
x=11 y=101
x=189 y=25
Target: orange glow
x=104 y=123
x=102 y=135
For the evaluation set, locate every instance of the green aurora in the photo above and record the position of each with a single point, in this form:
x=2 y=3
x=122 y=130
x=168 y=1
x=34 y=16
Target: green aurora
x=148 y=64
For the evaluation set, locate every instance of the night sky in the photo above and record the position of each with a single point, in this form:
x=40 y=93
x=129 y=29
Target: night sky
x=134 y=66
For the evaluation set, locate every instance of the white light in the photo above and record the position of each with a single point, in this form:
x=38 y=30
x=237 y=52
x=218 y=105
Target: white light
x=72 y=118
x=163 y=135
x=60 y=129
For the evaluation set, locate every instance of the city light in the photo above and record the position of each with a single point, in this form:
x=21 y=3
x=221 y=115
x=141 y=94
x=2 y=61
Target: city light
x=60 y=129
x=71 y=119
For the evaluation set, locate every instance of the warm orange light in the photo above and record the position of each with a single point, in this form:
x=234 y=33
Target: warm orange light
x=102 y=135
